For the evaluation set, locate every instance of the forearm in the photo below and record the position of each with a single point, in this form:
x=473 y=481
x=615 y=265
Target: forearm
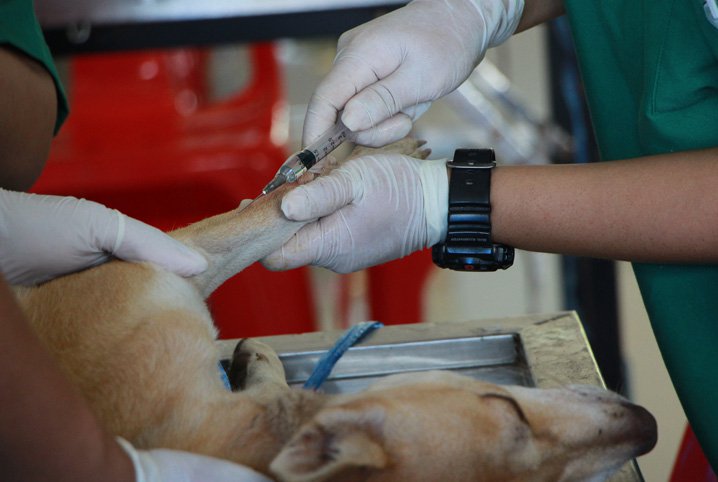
x=47 y=431
x=28 y=107
x=539 y=11
x=654 y=209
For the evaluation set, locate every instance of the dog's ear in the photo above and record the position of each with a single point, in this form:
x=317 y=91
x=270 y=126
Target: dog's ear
x=337 y=445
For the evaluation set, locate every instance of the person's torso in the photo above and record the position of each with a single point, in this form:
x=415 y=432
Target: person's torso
x=650 y=69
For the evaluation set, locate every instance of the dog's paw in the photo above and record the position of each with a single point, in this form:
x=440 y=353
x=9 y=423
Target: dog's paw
x=254 y=363
x=407 y=146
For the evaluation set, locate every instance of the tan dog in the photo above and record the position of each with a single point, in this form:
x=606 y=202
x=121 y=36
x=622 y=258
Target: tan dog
x=140 y=344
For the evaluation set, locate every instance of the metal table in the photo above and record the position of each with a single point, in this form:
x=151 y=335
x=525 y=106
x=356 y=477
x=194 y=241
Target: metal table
x=539 y=350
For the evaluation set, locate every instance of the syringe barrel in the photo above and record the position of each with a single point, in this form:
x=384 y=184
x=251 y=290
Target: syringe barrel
x=327 y=142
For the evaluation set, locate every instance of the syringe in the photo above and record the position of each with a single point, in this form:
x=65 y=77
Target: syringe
x=301 y=161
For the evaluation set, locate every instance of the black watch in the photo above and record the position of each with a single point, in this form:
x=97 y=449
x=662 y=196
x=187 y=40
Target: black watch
x=468 y=245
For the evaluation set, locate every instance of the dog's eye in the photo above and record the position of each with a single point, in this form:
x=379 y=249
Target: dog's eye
x=513 y=403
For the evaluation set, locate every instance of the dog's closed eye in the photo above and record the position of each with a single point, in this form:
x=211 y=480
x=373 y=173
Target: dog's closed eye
x=511 y=402
x=237 y=372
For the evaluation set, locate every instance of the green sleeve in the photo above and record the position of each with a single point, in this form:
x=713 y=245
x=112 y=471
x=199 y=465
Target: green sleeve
x=20 y=29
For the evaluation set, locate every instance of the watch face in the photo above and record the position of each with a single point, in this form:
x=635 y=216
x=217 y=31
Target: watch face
x=499 y=257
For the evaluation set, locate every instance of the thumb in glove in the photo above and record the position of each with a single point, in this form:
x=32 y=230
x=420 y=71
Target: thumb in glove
x=42 y=237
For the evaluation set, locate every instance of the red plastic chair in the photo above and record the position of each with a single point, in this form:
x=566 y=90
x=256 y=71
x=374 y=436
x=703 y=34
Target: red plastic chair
x=396 y=289
x=143 y=138
x=393 y=292
x=691 y=464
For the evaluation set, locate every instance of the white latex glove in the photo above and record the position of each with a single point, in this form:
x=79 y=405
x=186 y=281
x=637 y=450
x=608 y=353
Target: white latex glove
x=161 y=465
x=372 y=209
x=388 y=71
x=42 y=237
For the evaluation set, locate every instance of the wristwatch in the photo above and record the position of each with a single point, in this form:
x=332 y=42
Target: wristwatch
x=468 y=245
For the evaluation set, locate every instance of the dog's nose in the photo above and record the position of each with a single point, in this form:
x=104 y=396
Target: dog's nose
x=643 y=427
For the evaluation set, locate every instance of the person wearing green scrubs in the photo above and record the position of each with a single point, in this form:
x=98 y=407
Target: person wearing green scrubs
x=47 y=431
x=650 y=70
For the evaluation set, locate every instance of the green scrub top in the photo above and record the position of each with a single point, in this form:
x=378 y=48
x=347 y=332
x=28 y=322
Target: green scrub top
x=20 y=29
x=650 y=71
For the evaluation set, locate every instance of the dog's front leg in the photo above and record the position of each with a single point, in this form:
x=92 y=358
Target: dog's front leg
x=234 y=240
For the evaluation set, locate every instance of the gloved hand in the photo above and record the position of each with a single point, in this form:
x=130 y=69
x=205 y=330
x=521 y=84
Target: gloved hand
x=162 y=465
x=377 y=208
x=42 y=237
x=388 y=71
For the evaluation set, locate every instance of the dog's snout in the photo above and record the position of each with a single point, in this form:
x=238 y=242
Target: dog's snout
x=637 y=424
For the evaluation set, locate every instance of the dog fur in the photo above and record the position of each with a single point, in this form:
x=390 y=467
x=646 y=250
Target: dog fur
x=139 y=342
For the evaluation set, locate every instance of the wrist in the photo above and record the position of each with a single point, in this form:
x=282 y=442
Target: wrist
x=134 y=457
x=501 y=18
x=435 y=186
x=514 y=10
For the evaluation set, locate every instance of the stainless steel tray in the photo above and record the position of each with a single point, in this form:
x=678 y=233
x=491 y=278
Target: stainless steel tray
x=495 y=358
x=539 y=350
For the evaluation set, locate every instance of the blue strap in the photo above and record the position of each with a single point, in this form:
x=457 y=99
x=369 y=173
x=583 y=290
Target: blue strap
x=326 y=363
x=223 y=376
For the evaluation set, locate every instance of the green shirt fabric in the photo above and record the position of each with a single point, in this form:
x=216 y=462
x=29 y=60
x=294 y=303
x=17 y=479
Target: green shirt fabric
x=650 y=71
x=20 y=29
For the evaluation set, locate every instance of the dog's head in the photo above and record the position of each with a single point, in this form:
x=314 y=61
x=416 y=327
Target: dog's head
x=441 y=426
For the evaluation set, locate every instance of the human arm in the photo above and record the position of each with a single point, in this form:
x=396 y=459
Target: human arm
x=654 y=209
x=47 y=431
x=28 y=107
x=537 y=12
x=388 y=71
x=42 y=237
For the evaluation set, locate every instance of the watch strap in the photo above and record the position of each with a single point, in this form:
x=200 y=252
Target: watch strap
x=469 y=226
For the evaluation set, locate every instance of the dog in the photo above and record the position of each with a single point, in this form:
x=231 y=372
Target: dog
x=139 y=342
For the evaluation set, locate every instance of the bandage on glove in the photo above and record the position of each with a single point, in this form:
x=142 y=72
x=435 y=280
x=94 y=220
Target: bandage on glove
x=42 y=237
x=161 y=465
x=388 y=71
x=371 y=210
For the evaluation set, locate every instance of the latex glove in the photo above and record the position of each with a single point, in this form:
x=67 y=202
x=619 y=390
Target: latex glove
x=42 y=237
x=388 y=71
x=372 y=209
x=161 y=465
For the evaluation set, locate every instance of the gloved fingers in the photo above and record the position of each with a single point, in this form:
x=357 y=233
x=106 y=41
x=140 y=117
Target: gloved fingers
x=417 y=110
x=401 y=91
x=321 y=115
x=304 y=248
x=322 y=196
x=351 y=73
x=137 y=241
x=391 y=130
x=330 y=96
